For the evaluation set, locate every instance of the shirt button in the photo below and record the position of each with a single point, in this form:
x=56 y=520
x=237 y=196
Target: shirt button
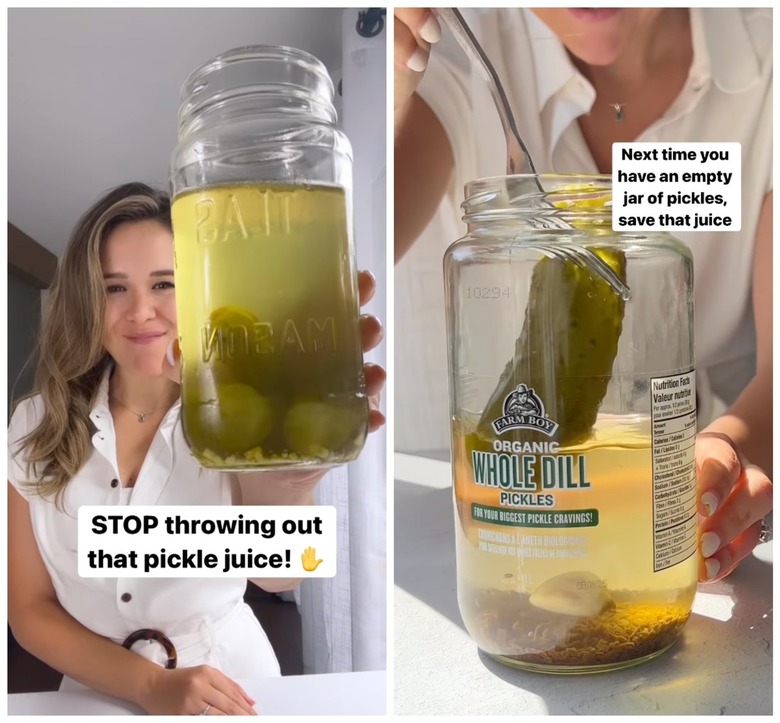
x=126 y=597
x=114 y=482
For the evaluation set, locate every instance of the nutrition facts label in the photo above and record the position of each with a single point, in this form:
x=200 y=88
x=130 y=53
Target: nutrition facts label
x=674 y=469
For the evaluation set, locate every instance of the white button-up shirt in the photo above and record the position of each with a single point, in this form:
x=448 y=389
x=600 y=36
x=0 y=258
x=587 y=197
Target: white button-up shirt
x=205 y=618
x=727 y=97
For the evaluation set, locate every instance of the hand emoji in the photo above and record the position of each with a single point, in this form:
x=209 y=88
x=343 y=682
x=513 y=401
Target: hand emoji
x=310 y=564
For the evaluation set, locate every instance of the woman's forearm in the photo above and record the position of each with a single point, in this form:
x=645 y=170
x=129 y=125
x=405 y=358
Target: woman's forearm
x=748 y=422
x=47 y=631
x=277 y=584
x=424 y=163
x=279 y=488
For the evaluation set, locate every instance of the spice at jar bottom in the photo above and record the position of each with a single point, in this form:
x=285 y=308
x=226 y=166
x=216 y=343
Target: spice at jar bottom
x=509 y=626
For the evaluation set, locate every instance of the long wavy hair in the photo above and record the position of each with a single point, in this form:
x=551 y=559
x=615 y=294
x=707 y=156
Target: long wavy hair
x=71 y=355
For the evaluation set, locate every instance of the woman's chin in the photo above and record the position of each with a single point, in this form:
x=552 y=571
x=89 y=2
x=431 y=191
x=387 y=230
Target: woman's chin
x=594 y=15
x=143 y=366
x=604 y=52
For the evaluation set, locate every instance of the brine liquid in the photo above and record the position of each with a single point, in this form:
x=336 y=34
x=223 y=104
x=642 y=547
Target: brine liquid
x=272 y=369
x=573 y=569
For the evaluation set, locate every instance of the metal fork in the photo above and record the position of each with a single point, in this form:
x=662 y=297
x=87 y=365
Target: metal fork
x=518 y=159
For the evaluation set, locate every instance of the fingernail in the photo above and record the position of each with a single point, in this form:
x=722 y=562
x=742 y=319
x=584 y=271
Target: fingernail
x=418 y=61
x=169 y=353
x=710 y=543
x=431 y=30
x=710 y=502
x=713 y=568
x=366 y=272
x=377 y=370
x=173 y=352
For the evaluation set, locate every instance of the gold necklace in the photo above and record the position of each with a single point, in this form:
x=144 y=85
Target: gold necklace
x=141 y=415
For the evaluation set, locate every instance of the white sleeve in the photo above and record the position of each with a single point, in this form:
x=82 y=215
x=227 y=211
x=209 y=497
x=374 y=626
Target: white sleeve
x=25 y=419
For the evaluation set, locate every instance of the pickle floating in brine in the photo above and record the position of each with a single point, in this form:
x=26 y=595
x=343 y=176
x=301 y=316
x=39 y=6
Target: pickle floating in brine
x=231 y=325
x=311 y=428
x=567 y=346
x=241 y=419
x=227 y=316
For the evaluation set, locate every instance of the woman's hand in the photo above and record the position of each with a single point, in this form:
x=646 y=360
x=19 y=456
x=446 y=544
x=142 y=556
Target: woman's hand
x=371 y=336
x=191 y=691
x=734 y=498
x=415 y=30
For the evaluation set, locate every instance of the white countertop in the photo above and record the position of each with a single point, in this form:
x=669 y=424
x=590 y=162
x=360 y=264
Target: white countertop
x=721 y=666
x=335 y=694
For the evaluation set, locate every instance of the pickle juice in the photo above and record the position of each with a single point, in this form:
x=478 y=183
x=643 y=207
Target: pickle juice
x=573 y=559
x=267 y=306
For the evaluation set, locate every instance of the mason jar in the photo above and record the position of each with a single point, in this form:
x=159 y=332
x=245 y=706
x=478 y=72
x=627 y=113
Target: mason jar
x=573 y=411
x=266 y=282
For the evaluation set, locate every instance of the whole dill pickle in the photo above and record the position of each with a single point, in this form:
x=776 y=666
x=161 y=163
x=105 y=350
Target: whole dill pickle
x=566 y=348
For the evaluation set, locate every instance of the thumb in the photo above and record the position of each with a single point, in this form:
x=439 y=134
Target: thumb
x=172 y=362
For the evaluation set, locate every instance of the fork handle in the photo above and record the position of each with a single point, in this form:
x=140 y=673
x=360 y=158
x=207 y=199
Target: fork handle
x=468 y=42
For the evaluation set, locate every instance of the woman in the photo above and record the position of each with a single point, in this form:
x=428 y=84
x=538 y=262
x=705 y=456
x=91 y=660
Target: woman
x=579 y=80
x=102 y=370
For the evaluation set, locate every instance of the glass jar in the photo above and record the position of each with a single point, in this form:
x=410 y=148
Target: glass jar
x=266 y=282
x=573 y=410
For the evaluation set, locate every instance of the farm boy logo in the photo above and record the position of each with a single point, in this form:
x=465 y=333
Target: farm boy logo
x=524 y=410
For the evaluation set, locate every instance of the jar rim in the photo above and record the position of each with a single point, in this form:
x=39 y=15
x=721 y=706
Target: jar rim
x=552 y=179
x=286 y=53
x=513 y=197
x=260 y=79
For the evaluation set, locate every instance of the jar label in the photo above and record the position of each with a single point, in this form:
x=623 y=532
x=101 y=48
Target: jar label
x=674 y=468
x=523 y=409
x=632 y=479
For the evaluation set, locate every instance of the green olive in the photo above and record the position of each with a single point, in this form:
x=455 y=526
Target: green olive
x=311 y=427
x=244 y=418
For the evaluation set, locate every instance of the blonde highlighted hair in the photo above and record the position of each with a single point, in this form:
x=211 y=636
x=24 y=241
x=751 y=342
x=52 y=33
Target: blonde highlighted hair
x=71 y=355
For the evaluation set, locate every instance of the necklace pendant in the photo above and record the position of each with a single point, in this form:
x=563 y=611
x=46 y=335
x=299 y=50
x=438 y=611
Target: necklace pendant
x=618 y=112
x=141 y=418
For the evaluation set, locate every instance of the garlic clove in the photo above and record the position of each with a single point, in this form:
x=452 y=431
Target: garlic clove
x=572 y=593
